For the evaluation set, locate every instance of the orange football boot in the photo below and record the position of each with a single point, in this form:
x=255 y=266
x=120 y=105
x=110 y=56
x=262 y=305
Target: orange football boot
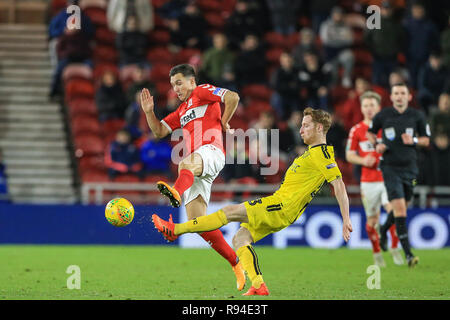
x=169 y=192
x=240 y=276
x=262 y=291
x=165 y=227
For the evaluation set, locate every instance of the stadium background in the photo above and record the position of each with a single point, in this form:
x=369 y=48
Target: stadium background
x=54 y=147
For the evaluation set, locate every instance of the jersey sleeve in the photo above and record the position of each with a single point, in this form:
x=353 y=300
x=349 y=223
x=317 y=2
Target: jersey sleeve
x=353 y=140
x=423 y=128
x=376 y=124
x=209 y=93
x=172 y=121
x=323 y=159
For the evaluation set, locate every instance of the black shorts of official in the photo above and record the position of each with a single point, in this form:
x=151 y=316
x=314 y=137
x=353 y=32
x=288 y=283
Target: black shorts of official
x=399 y=182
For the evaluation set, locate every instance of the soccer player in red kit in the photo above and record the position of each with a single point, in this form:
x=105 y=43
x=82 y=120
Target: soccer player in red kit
x=373 y=192
x=199 y=116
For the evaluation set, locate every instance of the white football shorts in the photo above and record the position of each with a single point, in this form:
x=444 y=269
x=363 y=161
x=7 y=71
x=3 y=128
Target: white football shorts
x=373 y=196
x=213 y=162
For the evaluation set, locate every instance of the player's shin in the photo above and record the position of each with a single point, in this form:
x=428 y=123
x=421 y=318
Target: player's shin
x=201 y=224
x=249 y=260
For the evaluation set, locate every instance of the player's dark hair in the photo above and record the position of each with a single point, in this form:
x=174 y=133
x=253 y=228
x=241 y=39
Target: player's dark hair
x=185 y=69
x=399 y=84
x=319 y=116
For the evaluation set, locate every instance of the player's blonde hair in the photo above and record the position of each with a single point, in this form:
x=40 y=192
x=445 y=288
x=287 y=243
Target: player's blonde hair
x=370 y=95
x=319 y=116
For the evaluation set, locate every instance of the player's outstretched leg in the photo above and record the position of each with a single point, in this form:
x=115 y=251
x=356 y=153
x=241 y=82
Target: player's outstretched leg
x=249 y=260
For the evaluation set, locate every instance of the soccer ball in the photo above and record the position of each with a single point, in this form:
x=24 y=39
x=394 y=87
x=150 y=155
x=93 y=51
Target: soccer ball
x=119 y=212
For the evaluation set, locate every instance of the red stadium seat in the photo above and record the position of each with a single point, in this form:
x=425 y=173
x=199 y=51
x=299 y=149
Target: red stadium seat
x=89 y=144
x=273 y=55
x=85 y=124
x=56 y=6
x=111 y=127
x=105 y=36
x=77 y=70
x=87 y=163
x=97 y=16
x=160 y=54
x=127 y=178
x=79 y=106
x=79 y=88
x=160 y=72
x=215 y=20
x=339 y=94
x=163 y=87
x=104 y=53
x=95 y=175
x=158 y=3
x=255 y=108
x=101 y=67
x=275 y=39
x=184 y=55
x=208 y=6
x=362 y=57
x=238 y=123
x=159 y=37
x=92 y=4
x=257 y=91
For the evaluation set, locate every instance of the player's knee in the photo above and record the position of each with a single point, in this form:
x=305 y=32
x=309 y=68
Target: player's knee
x=235 y=212
x=240 y=239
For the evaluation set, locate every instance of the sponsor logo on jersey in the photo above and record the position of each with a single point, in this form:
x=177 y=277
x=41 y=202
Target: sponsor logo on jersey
x=331 y=166
x=194 y=113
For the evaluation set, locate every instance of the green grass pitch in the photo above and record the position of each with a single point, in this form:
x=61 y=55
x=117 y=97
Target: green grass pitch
x=159 y=272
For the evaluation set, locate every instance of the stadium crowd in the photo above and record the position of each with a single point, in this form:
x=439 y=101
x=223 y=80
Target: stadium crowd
x=280 y=55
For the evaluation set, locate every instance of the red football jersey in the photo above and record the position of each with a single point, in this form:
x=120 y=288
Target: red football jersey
x=199 y=117
x=357 y=141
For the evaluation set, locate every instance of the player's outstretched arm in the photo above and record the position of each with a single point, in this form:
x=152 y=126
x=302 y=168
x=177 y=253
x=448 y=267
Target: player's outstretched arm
x=231 y=100
x=148 y=106
x=342 y=198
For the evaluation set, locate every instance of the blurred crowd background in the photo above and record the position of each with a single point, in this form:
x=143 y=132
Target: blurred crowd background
x=281 y=56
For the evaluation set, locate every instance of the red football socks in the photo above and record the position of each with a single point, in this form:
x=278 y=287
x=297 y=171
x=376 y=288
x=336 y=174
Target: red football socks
x=374 y=238
x=394 y=238
x=184 y=181
x=217 y=242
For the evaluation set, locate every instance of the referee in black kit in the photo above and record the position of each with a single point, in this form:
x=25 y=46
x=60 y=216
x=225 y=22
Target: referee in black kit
x=403 y=129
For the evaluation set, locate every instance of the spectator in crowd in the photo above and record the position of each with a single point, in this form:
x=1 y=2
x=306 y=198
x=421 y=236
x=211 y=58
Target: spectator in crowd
x=189 y=30
x=241 y=166
x=58 y=25
x=218 y=63
x=314 y=82
x=133 y=118
x=290 y=134
x=132 y=44
x=109 y=98
x=435 y=170
x=432 y=79
x=242 y=22
x=422 y=38
x=284 y=15
x=440 y=117
x=337 y=136
x=73 y=47
x=156 y=156
x=286 y=86
x=398 y=76
x=337 y=38
x=307 y=43
x=3 y=184
x=123 y=156
x=140 y=80
x=250 y=64
x=172 y=9
x=320 y=11
x=118 y=12
x=445 y=44
x=385 y=44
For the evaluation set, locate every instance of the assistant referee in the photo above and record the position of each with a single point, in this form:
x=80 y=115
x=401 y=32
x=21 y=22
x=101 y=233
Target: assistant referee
x=403 y=129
